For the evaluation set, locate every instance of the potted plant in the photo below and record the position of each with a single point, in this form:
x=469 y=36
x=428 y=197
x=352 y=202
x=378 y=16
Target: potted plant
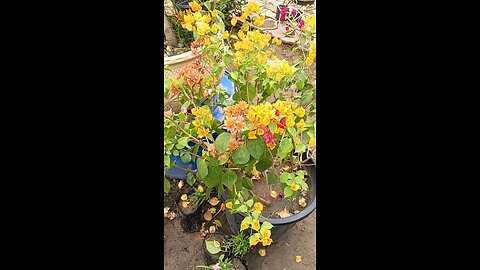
x=258 y=157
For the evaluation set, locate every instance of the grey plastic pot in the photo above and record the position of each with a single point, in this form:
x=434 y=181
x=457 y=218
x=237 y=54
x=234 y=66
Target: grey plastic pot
x=282 y=225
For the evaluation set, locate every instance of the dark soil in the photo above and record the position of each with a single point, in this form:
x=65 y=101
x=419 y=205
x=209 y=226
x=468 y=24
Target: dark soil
x=237 y=264
x=262 y=189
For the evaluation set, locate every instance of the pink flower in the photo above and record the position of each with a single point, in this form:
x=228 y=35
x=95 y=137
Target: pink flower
x=168 y=113
x=294 y=12
x=216 y=267
x=287 y=28
x=283 y=13
x=301 y=24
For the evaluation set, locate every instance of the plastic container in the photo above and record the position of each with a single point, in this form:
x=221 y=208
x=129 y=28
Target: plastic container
x=217 y=113
x=281 y=225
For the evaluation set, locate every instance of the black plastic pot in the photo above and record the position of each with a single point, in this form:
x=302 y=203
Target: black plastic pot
x=240 y=261
x=213 y=258
x=191 y=222
x=282 y=225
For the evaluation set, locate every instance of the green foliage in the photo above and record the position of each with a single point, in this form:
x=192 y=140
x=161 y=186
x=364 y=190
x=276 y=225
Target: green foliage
x=238 y=244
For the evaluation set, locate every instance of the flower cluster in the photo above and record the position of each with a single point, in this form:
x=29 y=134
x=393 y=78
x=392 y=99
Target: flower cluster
x=291 y=18
x=280 y=69
x=193 y=75
x=312 y=54
x=248 y=42
x=202 y=117
x=234 y=117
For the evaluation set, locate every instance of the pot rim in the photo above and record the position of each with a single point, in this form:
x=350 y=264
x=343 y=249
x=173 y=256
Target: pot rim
x=295 y=217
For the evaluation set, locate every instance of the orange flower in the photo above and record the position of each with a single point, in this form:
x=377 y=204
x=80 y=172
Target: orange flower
x=203 y=132
x=243 y=226
x=256 y=225
x=266 y=242
x=258 y=207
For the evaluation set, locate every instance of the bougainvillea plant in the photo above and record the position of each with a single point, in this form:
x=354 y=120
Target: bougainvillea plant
x=254 y=132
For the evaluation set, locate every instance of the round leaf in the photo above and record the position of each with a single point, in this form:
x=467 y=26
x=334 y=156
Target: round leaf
x=240 y=155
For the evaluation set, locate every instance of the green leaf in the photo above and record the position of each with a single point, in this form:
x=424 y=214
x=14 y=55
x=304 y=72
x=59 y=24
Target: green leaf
x=285 y=148
x=303 y=185
x=190 y=179
x=271 y=177
x=218 y=223
x=272 y=126
x=255 y=215
x=222 y=141
x=220 y=190
x=256 y=147
x=234 y=75
x=266 y=226
x=247 y=182
x=240 y=155
x=251 y=239
x=248 y=219
x=202 y=171
x=284 y=177
x=223 y=160
x=230 y=179
x=186 y=157
x=300 y=148
x=215 y=174
x=182 y=142
x=213 y=246
x=242 y=208
x=166 y=185
x=250 y=203
x=287 y=192
x=300 y=84
x=265 y=162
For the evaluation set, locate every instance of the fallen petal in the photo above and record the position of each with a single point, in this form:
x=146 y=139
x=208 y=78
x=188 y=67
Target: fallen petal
x=262 y=252
x=184 y=197
x=298 y=258
x=213 y=201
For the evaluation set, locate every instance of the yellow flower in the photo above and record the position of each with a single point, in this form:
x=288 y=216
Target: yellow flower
x=295 y=186
x=301 y=125
x=229 y=205
x=210 y=117
x=260 y=131
x=311 y=142
x=278 y=76
x=225 y=35
x=259 y=21
x=200 y=189
x=244 y=28
x=243 y=226
x=195 y=6
x=202 y=28
x=214 y=28
x=214 y=13
x=189 y=27
x=279 y=130
x=244 y=16
x=256 y=225
x=258 y=207
x=203 y=132
x=255 y=240
x=241 y=35
x=197 y=16
x=300 y=111
x=266 y=234
x=266 y=242
x=233 y=21
x=290 y=122
x=207 y=41
x=251 y=135
x=206 y=18
x=277 y=41
x=271 y=145
x=197 y=122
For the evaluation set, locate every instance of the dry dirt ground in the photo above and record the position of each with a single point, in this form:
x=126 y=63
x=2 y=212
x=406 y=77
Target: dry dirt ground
x=183 y=251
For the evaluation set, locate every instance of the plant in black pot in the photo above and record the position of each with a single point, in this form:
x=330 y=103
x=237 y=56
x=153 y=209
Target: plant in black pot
x=190 y=208
x=225 y=263
x=218 y=249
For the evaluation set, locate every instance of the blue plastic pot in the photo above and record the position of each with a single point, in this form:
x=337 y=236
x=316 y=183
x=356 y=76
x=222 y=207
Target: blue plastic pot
x=217 y=113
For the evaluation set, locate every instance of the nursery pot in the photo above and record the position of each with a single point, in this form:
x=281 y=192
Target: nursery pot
x=239 y=263
x=281 y=225
x=190 y=221
x=213 y=258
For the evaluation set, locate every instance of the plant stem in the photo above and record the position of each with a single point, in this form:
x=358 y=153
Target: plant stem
x=184 y=169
